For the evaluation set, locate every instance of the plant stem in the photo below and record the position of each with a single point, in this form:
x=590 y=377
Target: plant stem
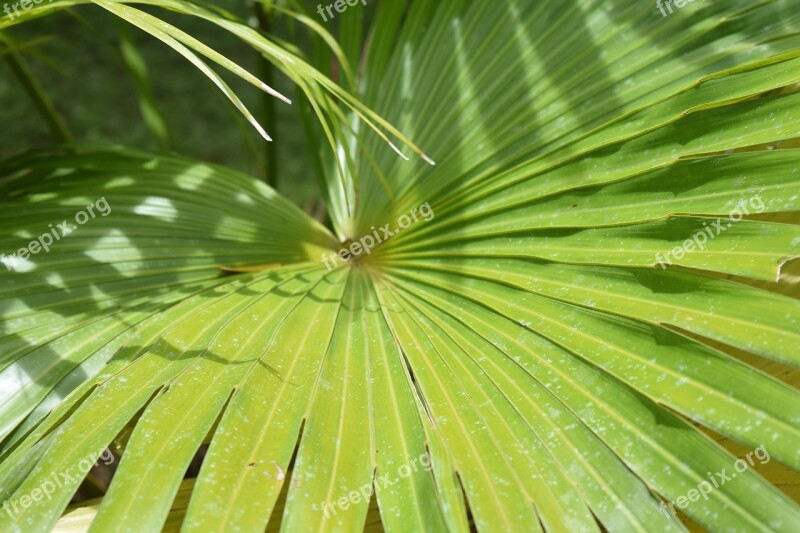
x=38 y=96
x=267 y=75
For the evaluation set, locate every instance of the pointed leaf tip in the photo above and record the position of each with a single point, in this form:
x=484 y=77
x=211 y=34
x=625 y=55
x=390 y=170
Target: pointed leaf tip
x=272 y=92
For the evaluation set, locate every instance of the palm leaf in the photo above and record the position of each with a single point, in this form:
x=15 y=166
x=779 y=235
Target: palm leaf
x=524 y=342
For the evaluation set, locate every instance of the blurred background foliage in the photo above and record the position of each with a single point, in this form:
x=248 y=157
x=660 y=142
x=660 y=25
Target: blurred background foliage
x=76 y=57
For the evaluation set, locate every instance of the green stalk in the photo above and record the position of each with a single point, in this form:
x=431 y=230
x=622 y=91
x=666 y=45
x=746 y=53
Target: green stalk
x=37 y=94
x=267 y=74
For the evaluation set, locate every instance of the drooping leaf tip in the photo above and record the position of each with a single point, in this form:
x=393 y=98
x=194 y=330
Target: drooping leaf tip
x=269 y=90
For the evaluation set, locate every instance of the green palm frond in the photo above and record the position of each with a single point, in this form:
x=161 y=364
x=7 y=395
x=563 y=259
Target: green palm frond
x=522 y=356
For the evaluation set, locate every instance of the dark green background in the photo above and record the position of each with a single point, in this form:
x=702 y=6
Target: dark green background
x=80 y=68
